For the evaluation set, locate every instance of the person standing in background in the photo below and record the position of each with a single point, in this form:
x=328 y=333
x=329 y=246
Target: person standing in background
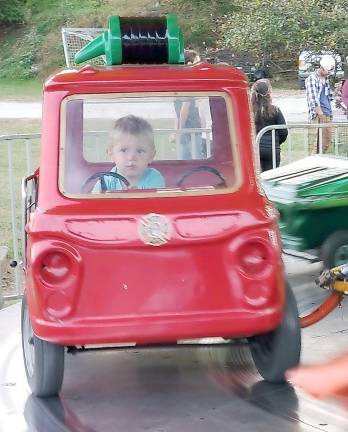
x=266 y=114
x=319 y=97
x=188 y=117
x=345 y=96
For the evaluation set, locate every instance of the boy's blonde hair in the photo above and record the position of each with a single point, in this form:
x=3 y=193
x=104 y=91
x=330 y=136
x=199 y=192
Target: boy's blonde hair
x=133 y=125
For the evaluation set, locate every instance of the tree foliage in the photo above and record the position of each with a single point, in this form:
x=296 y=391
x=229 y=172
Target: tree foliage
x=199 y=19
x=284 y=27
x=280 y=28
x=12 y=11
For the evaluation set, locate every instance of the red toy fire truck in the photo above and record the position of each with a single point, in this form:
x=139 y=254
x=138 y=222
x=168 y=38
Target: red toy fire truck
x=141 y=227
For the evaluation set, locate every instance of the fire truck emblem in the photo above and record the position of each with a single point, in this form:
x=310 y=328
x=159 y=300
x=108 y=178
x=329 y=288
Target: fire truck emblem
x=154 y=229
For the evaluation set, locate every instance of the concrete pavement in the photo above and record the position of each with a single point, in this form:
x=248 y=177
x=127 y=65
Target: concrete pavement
x=294 y=108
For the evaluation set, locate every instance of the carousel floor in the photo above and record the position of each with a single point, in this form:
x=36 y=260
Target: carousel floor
x=174 y=389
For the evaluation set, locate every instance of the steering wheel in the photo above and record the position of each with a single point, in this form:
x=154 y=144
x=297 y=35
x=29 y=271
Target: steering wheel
x=100 y=175
x=203 y=168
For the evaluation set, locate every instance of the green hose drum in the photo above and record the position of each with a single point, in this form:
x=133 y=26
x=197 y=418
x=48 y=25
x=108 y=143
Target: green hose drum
x=137 y=40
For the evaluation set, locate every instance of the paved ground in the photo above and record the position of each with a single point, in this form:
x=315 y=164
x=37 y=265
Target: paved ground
x=166 y=390
x=293 y=107
x=20 y=110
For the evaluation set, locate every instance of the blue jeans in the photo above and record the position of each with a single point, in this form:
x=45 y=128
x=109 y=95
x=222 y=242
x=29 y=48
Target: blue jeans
x=189 y=149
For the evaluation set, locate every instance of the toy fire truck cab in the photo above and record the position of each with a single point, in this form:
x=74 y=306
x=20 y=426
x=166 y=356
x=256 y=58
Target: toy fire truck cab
x=144 y=232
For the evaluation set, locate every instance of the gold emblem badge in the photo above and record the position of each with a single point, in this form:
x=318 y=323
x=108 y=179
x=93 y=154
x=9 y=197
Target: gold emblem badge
x=154 y=229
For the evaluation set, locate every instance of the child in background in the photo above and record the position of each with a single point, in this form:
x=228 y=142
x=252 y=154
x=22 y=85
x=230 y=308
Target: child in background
x=132 y=149
x=188 y=117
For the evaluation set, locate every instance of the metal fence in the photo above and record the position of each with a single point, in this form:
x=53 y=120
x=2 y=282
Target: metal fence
x=76 y=38
x=296 y=145
x=20 y=153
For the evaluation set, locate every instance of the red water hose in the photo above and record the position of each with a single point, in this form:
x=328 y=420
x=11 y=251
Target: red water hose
x=329 y=304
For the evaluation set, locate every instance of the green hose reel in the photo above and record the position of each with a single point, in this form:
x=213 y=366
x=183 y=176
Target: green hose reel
x=144 y=40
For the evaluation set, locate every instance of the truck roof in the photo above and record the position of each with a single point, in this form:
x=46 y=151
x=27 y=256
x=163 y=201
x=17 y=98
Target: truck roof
x=88 y=77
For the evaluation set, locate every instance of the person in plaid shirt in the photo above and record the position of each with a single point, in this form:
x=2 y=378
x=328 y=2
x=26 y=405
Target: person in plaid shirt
x=319 y=97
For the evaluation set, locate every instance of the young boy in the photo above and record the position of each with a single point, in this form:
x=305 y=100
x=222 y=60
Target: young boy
x=132 y=149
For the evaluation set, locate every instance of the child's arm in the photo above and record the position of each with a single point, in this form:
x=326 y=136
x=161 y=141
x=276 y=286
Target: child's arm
x=96 y=188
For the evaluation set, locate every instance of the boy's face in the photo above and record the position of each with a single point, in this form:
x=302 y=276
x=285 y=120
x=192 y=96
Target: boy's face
x=131 y=155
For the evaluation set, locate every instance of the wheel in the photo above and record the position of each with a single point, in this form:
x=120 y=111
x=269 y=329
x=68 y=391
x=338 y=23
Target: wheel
x=43 y=361
x=275 y=352
x=100 y=176
x=334 y=251
x=203 y=168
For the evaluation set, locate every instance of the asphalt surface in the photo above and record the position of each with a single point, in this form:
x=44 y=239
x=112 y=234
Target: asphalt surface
x=179 y=389
x=293 y=107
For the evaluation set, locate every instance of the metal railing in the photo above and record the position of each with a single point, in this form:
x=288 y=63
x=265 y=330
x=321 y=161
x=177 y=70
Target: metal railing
x=14 y=178
x=336 y=126
x=197 y=140
x=26 y=142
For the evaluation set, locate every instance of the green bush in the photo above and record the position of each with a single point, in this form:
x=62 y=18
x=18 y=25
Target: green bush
x=21 y=63
x=283 y=29
x=37 y=48
x=11 y=11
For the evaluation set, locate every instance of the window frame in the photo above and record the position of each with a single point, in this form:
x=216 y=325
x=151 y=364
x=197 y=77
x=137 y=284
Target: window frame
x=165 y=192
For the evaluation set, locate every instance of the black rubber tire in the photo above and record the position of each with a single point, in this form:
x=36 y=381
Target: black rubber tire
x=275 y=352
x=330 y=249
x=43 y=361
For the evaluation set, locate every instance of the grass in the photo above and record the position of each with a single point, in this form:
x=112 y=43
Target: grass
x=31 y=90
x=23 y=126
x=285 y=83
x=20 y=90
x=34 y=48
x=294 y=147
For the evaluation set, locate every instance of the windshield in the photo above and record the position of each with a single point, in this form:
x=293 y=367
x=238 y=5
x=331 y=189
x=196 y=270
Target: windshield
x=146 y=145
